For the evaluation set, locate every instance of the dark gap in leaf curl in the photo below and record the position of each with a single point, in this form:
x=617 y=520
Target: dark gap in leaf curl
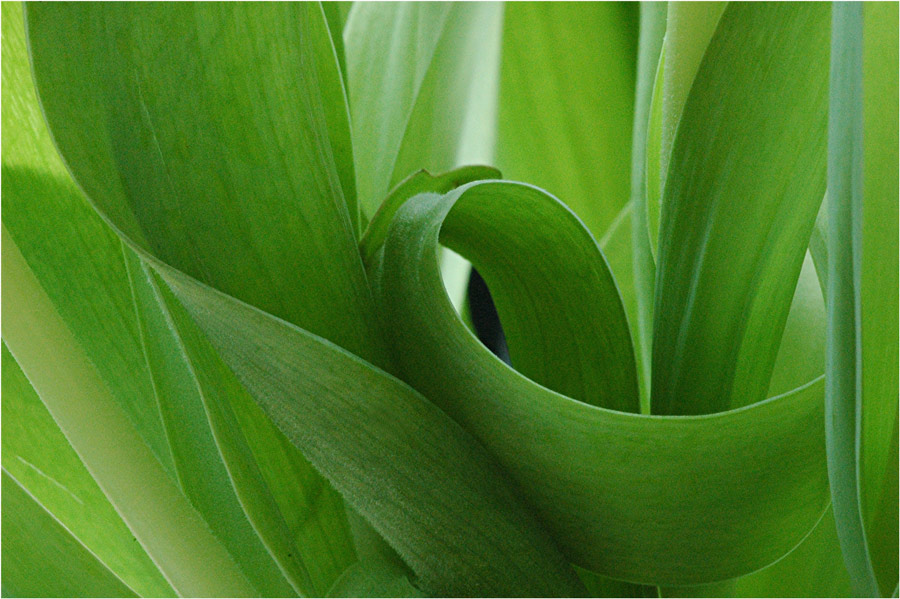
x=485 y=317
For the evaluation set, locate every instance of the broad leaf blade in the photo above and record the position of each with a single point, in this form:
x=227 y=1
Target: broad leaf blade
x=422 y=481
x=215 y=136
x=743 y=187
x=654 y=500
x=566 y=103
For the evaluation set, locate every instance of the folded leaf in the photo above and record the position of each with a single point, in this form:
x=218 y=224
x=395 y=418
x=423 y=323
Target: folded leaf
x=423 y=482
x=419 y=182
x=674 y=500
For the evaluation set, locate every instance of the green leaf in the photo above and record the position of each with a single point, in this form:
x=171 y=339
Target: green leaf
x=215 y=136
x=656 y=500
x=843 y=401
x=552 y=575
x=422 y=82
x=643 y=179
x=42 y=559
x=567 y=79
x=159 y=516
x=420 y=479
x=879 y=291
x=861 y=389
x=419 y=182
x=50 y=221
x=744 y=184
x=367 y=580
x=336 y=17
x=690 y=27
x=44 y=465
x=121 y=329
x=653 y=174
x=815 y=568
x=205 y=415
x=801 y=355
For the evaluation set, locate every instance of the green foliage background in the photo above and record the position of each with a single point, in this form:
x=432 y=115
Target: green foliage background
x=234 y=362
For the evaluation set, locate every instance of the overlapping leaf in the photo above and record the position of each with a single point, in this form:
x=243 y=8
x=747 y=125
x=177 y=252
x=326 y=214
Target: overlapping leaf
x=422 y=89
x=189 y=555
x=33 y=539
x=70 y=249
x=423 y=481
x=236 y=184
x=742 y=190
x=647 y=499
x=861 y=396
x=44 y=466
x=525 y=561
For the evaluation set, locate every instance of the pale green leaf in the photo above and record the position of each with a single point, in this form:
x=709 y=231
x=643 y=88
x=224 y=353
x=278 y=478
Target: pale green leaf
x=32 y=171
x=801 y=355
x=653 y=175
x=690 y=27
x=422 y=89
x=44 y=465
x=42 y=559
x=643 y=180
x=567 y=79
x=159 y=516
